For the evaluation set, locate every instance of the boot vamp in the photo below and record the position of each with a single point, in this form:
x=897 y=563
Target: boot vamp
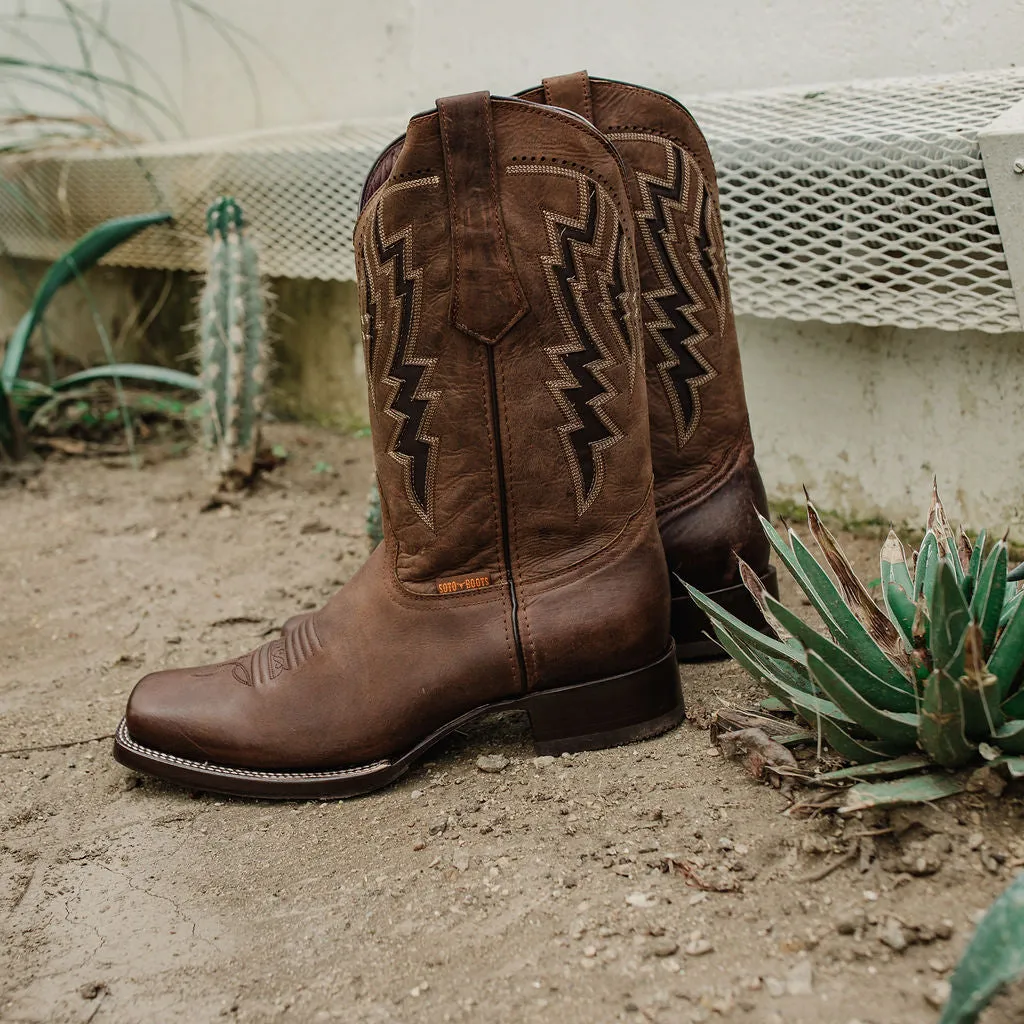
x=365 y=678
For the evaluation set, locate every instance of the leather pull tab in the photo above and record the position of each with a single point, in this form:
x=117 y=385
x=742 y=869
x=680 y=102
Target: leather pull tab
x=570 y=92
x=487 y=298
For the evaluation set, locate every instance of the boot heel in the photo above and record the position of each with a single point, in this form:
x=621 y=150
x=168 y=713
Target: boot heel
x=692 y=630
x=607 y=712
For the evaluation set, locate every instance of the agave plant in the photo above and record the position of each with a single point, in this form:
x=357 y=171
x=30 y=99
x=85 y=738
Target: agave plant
x=932 y=678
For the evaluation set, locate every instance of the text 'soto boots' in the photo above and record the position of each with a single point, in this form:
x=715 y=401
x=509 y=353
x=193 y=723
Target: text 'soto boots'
x=521 y=566
x=707 y=486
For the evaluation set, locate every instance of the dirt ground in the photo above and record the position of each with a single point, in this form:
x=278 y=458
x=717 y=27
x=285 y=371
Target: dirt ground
x=538 y=892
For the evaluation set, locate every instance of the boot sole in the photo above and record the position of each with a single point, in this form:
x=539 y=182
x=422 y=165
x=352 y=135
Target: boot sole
x=602 y=713
x=692 y=629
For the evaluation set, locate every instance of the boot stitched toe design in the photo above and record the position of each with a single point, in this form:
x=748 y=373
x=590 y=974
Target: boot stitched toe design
x=521 y=567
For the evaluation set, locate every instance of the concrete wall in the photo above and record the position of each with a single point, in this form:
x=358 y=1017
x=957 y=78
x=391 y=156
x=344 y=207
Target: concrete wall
x=318 y=60
x=864 y=416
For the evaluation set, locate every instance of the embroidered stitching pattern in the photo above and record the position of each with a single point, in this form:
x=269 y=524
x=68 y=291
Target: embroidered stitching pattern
x=392 y=295
x=268 y=661
x=691 y=270
x=593 y=283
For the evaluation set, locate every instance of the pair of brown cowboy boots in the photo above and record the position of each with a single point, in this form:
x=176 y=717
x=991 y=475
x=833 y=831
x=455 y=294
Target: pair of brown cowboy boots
x=561 y=439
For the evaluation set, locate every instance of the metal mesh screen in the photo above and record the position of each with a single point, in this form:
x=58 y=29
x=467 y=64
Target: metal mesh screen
x=862 y=203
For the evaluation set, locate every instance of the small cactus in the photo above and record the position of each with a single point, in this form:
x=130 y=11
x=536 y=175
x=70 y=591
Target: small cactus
x=233 y=347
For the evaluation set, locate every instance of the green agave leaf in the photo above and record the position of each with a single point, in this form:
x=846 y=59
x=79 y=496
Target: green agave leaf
x=977 y=553
x=994 y=958
x=85 y=253
x=987 y=603
x=809 y=706
x=751 y=637
x=765 y=671
x=872 y=688
x=885 y=725
x=1014 y=706
x=862 y=751
x=941 y=729
x=1009 y=607
x=949 y=616
x=846 y=629
x=893 y=564
x=917 y=790
x=1013 y=765
x=927 y=556
x=897 y=766
x=131 y=371
x=1009 y=738
x=979 y=689
x=901 y=610
x=1008 y=653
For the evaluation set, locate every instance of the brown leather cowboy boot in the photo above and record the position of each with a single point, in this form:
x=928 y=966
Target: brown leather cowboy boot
x=707 y=486
x=521 y=566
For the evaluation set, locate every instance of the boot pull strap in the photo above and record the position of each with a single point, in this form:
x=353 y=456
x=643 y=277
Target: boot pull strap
x=487 y=298
x=570 y=92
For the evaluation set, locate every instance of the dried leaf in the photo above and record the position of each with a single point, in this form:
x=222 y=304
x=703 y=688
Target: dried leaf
x=877 y=623
x=938 y=523
x=757 y=750
x=757 y=590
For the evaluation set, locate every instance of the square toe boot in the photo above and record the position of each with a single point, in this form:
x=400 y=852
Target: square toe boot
x=521 y=567
x=708 y=490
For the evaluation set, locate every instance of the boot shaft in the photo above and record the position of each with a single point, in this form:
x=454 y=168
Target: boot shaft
x=499 y=297
x=699 y=426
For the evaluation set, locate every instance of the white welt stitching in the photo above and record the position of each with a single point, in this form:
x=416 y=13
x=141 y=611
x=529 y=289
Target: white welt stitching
x=125 y=740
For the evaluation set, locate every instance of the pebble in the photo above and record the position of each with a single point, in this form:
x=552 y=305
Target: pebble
x=892 y=935
x=936 y=994
x=698 y=946
x=661 y=947
x=460 y=860
x=641 y=900
x=850 y=920
x=492 y=762
x=800 y=979
x=544 y=761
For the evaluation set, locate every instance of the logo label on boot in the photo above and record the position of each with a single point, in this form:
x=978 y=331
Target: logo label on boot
x=461 y=586
x=683 y=238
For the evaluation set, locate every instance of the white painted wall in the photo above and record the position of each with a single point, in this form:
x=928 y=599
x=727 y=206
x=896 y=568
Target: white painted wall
x=317 y=60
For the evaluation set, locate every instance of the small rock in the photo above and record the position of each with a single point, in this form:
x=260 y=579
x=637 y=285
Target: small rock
x=936 y=994
x=314 y=526
x=975 y=841
x=775 y=987
x=641 y=900
x=438 y=825
x=891 y=934
x=850 y=920
x=544 y=761
x=799 y=980
x=698 y=947
x=661 y=947
x=492 y=762
x=92 y=989
x=460 y=860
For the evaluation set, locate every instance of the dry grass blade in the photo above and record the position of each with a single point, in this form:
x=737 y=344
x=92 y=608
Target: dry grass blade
x=757 y=591
x=964 y=547
x=877 y=623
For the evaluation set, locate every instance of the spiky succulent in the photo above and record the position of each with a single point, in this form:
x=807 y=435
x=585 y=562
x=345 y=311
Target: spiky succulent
x=936 y=669
x=233 y=349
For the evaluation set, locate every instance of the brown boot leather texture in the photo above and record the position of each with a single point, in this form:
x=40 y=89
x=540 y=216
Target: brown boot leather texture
x=708 y=490
x=522 y=566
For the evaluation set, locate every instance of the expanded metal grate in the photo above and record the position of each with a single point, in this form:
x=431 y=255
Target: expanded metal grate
x=862 y=203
